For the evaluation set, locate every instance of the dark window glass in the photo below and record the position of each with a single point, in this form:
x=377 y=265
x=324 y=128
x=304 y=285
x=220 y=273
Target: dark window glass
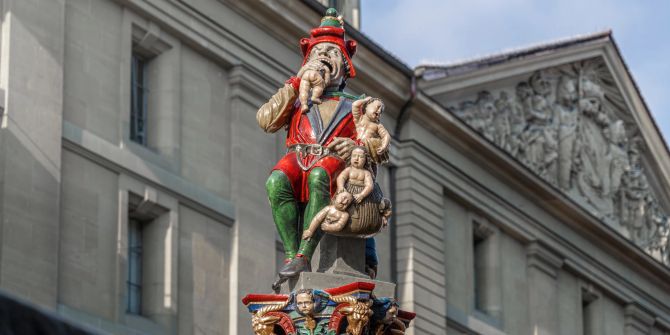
x=134 y=279
x=138 y=100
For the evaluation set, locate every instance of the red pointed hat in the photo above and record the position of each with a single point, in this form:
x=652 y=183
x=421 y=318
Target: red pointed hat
x=331 y=30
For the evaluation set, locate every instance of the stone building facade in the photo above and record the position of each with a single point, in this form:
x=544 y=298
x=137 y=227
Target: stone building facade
x=530 y=188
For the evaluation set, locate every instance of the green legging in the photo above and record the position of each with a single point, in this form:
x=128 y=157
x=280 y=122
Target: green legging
x=286 y=210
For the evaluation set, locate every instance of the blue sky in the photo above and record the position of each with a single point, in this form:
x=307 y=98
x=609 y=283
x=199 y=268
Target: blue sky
x=440 y=31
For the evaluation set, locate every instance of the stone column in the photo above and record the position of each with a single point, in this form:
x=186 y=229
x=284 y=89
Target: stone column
x=420 y=234
x=255 y=154
x=543 y=269
x=31 y=75
x=637 y=320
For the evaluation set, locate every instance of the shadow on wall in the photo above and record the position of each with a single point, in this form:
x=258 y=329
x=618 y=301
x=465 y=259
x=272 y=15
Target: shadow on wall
x=21 y=318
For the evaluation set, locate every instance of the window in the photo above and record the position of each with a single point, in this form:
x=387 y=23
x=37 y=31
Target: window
x=139 y=92
x=147 y=257
x=479 y=277
x=134 y=281
x=148 y=226
x=151 y=69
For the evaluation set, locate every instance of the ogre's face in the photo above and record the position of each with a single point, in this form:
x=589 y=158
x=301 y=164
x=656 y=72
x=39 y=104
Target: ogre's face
x=305 y=303
x=330 y=55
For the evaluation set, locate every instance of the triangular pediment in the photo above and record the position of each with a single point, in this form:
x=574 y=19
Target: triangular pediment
x=572 y=114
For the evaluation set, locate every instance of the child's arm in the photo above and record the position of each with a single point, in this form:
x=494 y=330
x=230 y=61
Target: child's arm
x=316 y=222
x=357 y=108
x=369 y=186
x=342 y=179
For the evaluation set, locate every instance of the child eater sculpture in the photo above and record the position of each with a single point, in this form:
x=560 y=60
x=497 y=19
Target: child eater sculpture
x=323 y=135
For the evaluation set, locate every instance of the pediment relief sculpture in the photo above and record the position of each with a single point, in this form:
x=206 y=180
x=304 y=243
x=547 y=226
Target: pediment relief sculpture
x=570 y=125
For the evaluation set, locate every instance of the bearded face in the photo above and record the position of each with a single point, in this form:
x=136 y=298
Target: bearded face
x=330 y=55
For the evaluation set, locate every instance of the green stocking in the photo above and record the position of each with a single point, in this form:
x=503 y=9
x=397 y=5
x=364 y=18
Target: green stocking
x=284 y=211
x=319 y=197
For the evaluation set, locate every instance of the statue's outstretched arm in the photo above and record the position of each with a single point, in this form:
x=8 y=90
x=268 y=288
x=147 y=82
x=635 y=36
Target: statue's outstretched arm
x=276 y=113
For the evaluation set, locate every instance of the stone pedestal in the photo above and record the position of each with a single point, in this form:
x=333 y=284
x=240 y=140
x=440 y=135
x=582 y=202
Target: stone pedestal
x=343 y=297
x=342 y=256
x=338 y=261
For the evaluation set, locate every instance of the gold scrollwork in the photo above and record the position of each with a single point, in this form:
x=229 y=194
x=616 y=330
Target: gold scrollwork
x=264 y=324
x=358 y=313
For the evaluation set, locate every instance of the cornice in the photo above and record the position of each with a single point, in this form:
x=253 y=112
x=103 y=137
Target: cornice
x=638 y=318
x=541 y=257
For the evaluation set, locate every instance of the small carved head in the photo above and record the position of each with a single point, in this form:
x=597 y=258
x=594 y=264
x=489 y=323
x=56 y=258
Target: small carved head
x=567 y=91
x=342 y=200
x=540 y=83
x=373 y=109
x=358 y=157
x=591 y=97
x=486 y=104
x=523 y=91
x=304 y=300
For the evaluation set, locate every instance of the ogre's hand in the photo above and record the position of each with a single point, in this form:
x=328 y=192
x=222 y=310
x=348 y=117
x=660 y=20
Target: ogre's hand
x=314 y=76
x=342 y=146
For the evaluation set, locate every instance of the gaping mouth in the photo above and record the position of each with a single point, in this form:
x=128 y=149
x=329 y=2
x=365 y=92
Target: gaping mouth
x=327 y=63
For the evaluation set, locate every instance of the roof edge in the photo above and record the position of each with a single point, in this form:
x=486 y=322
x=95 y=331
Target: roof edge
x=436 y=71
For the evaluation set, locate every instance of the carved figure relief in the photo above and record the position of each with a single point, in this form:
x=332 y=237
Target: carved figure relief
x=351 y=309
x=570 y=126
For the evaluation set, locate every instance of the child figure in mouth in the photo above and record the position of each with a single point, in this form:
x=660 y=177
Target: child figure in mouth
x=331 y=218
x=366 y=114
x=356 y=179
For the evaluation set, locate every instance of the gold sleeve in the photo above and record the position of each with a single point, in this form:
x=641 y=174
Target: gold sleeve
x=276 y=113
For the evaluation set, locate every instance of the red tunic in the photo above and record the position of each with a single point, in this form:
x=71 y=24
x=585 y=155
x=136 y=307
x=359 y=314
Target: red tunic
x=306 y=128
